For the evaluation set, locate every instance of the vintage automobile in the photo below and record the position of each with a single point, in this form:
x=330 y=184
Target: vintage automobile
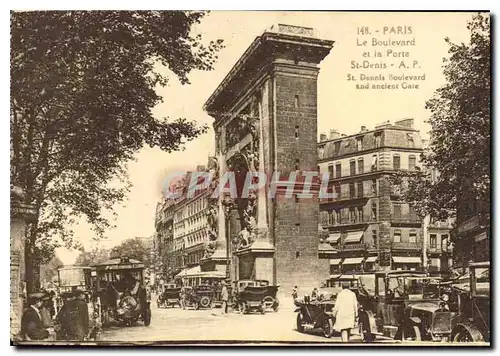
x=409 y=307
x=70 y=279
x=199 y=297
x=170 y=296
x=317 y=313
x=255 y=295
x=120 y=288
x=473 y=305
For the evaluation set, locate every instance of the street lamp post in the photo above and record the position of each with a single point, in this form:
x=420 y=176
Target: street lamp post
x=228 y=203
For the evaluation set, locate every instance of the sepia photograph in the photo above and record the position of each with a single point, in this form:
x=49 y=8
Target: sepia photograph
x=270 y=178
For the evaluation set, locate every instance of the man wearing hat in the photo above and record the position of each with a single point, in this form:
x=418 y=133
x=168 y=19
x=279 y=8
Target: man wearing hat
x=31 y=323
x=345 y=311
x=73 y=317
x=224 y=296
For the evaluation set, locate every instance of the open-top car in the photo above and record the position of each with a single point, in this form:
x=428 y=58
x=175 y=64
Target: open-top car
x=200 y=296
x=316 y=313
x=120 y=285
x=473 y=305
x=255 y=295
x=170 y=296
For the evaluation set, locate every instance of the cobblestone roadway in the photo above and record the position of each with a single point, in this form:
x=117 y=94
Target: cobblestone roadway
x=175 y=324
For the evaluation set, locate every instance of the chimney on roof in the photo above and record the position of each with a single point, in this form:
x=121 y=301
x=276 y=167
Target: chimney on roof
x=363 y=129
x=323 y=137
x=334 y=134
x=405 y=122
x=200 y=168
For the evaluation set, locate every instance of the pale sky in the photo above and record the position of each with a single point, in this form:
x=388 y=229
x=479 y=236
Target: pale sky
x=340 y=105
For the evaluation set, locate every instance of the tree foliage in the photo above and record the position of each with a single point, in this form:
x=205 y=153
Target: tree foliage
x=132 y=248
x=49 y=271
x=95 y=256
x=459 y=148
x=82 y=93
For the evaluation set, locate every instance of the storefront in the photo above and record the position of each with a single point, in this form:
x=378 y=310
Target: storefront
x=353 y=264
x=410 y=263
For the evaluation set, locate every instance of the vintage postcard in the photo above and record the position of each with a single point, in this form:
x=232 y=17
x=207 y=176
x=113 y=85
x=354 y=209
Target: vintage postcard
x=251 y=178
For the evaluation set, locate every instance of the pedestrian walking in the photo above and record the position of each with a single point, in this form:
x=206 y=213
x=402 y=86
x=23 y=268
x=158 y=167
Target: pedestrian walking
x=314 y=294
x=345 y=312
x=31 y=323
x=224 y=297
x=295 y=294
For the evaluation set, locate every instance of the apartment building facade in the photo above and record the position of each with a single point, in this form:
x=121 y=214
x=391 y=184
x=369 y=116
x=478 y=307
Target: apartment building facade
x=367 y=224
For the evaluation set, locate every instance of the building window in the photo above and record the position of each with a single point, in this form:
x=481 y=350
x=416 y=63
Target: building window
x=359 y=143
x=352 y=166
x=397 y=236
x=297 y=254
x=296 y=131
x=396 y=162
x=411 y=141
x=413 y=237
x=374 y=162
x=361 y=166
x=296 y=101
x=360 y=190
x=374 y=187
x=352 y=215
x=336 y=148
x=377 y=139
x=412 y=163
x=338 y=170
x=330 y=170
x=338 y=216
x=360 y=214
x=375 y=238
x=444 y=242
x=352 y=191
x=337 y=191
x=297 y=161
x=396 y=211
x=374 y=212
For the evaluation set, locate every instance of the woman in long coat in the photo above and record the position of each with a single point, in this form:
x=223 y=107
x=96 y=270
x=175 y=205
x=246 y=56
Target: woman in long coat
x=345 y=312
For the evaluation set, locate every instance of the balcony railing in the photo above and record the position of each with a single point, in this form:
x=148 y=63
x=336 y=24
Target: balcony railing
x=410 y=218
x=406 y=245
x=347 y=172
x=439 y=249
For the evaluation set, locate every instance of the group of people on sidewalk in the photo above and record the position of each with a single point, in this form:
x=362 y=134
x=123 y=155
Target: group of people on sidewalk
x=40 y=322
x=345 y=310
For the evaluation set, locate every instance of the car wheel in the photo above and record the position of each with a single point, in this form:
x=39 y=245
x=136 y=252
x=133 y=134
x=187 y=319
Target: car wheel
x=205 y=302
x=411 y=333
x=300 y=322
x=328 y=328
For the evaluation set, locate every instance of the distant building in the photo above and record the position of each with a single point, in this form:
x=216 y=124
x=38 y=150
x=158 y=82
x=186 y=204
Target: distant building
x=181 y=229
x=367 y=225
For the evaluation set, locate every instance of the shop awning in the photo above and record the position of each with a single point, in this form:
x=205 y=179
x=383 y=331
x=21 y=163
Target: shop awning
x=335 y=276
x=333 y=237
x=353 y=236
x=371 y=259
x=335 y=261
x=406 y=259
x=352 y=261
x=325 y=247
x=188 y=272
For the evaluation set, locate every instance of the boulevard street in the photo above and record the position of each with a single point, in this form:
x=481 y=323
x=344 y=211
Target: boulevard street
x=178 y=325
